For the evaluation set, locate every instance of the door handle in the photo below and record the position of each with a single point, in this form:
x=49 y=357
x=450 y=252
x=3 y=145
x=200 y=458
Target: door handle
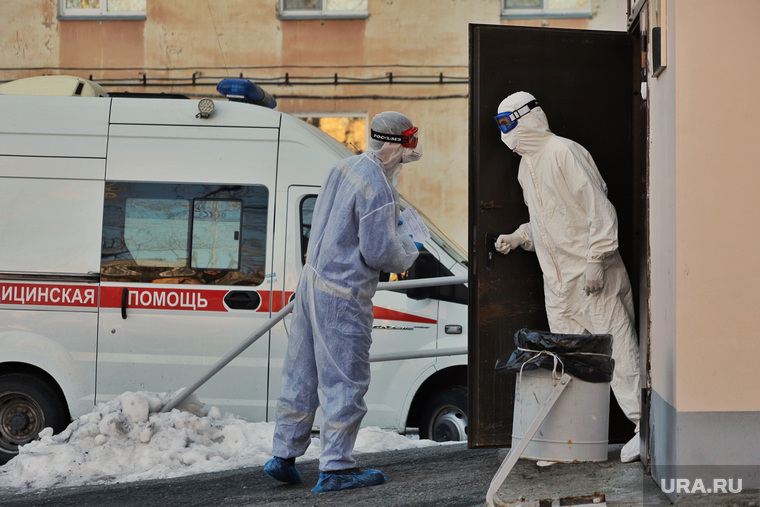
x=124 y=298
x=243 y=300
x=490 y=249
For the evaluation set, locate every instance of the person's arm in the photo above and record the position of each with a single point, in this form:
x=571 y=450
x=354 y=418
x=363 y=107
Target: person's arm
x=382 y=248
x=591 y=194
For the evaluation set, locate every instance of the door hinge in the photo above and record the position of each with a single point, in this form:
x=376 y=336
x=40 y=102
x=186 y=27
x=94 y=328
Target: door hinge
x=489 y=205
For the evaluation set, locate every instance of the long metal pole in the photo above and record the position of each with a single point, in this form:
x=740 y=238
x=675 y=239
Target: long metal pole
x=403 y=284
x=229 y=357
x=424 y=282
x=419 y=354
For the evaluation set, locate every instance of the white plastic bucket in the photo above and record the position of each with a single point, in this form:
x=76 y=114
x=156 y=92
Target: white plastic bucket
x=577 y=426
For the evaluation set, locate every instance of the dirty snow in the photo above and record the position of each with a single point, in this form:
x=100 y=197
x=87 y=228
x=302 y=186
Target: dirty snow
x=127 y=439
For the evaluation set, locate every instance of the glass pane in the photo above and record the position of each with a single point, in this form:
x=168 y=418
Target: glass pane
x=302 y=5
x=126 y=5
x=523 y=4
x=548 y=5
x=155 y=231
x=346 y=5
x=216 y=234
x=83 y=4
x=307 y=213
x=351 y=131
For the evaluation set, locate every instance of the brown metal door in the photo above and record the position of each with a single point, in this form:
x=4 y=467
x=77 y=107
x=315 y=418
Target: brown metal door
x=584 y=81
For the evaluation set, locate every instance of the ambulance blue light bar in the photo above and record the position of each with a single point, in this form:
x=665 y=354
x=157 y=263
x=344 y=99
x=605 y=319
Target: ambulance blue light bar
x=243 y=90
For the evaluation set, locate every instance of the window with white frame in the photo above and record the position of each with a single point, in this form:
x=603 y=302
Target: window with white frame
x=301 y=9
x=546 y=8
x=102 y=9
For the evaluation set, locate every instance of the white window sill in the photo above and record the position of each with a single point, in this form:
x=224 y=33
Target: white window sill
x=546 y=15
x=102 y=17
x=321 y=15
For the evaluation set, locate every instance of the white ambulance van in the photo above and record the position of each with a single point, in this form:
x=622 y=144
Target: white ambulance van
x=143 y=238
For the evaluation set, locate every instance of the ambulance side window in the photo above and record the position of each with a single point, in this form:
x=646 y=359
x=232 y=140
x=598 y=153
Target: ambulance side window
x=184 y=233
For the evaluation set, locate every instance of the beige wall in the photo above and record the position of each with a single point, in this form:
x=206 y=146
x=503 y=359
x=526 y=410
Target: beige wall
x=718 y=192
x=704 y=192
x=179 y=37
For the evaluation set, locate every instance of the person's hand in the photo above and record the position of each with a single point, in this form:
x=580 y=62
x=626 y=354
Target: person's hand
x=505 y=243
x=418 y=245
x=593 y=277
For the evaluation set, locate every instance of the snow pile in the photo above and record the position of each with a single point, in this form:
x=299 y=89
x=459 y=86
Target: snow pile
x=127 y=439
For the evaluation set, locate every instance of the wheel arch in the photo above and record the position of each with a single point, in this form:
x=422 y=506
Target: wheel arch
x=441 y=379
x=45 y=358
x=10 y=367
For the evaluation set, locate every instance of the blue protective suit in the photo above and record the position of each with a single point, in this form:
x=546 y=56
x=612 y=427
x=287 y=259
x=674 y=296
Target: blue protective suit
x=353 y=237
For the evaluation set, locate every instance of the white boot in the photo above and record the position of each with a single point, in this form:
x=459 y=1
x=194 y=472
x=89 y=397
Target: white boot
x=630 y=451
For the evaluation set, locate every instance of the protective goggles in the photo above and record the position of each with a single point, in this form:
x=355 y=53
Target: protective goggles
x=508 y=119
x=407 y=139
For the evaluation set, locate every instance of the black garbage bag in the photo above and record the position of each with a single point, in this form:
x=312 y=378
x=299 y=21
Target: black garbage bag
x=586 y=356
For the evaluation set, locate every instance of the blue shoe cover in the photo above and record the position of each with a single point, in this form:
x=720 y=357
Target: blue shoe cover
x=278 y=468
x=336 y=482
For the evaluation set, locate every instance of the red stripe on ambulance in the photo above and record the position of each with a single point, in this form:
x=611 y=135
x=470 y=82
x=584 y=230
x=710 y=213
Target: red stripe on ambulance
x=278 y=302
x=154 y=298
x=203 y=300
x=386 y=314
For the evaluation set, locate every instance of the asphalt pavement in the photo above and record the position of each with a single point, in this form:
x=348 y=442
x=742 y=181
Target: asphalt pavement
x=447 y=475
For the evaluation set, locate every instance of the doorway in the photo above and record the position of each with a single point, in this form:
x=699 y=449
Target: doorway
x=587 y=83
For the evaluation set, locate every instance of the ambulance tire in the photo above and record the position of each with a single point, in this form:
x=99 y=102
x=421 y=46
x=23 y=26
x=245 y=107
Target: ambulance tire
x=444 y=416
x=28 y=404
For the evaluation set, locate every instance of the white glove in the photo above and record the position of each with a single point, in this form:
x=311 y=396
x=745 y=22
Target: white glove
x=593 y=277
x=508 y=242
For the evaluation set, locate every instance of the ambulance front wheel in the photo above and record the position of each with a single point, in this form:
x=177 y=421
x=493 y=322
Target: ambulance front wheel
x=28 y=404
x=444 y=417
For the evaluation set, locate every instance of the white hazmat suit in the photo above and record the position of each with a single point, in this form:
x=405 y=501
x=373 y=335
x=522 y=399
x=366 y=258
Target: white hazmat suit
x=573 y=230
x=353 y=238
